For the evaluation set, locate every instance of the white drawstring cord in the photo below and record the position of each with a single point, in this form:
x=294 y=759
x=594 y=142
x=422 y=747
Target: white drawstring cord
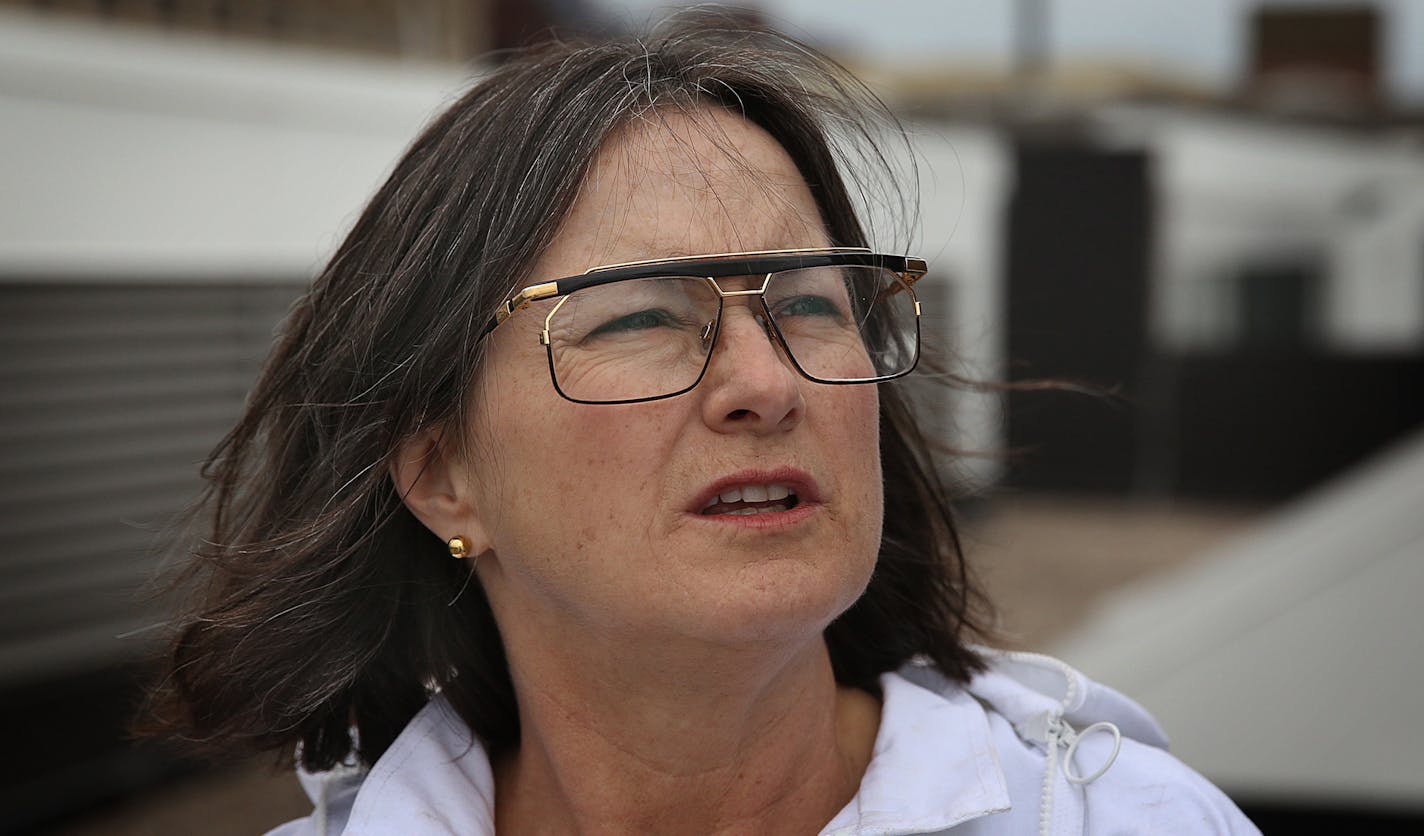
x=1056 y=733
x=1073 y=749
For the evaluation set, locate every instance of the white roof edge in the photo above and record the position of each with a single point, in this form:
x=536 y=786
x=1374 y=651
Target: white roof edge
x=1280 y=562
x=50 y=56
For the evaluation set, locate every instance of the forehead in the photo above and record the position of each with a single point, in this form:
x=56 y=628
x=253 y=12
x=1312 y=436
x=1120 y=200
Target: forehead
x=685 y=183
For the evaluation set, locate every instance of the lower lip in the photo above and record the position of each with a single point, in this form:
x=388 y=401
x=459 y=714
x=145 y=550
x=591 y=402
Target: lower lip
x=765 y=521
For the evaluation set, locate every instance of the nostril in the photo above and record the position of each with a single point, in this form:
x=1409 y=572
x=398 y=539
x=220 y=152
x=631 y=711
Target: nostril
x=738 y=414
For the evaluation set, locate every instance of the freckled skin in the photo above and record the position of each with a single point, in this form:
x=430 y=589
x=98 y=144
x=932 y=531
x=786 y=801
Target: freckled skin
x=585 y=506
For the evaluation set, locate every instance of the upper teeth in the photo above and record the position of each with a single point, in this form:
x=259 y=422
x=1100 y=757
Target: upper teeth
x=752 y=493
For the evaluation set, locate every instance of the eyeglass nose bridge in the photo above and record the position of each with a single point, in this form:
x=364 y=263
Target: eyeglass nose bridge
x=712 y=329
x=751 y=291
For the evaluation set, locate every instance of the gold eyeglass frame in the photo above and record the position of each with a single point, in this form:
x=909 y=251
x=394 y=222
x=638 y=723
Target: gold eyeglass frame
x=709 y=267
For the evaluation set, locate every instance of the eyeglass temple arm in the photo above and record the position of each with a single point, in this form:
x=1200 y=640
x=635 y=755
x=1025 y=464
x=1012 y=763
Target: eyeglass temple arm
x=519 y=302
x=915 y=269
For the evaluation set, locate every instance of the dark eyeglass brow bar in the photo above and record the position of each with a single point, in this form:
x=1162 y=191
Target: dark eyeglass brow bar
x=710 y=266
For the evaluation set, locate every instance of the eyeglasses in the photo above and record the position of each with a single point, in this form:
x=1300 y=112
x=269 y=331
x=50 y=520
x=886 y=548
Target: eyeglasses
x=628 y=333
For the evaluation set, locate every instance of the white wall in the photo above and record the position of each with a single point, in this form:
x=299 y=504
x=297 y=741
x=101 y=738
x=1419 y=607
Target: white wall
x=1234 y=190
x=965 y=177
x=130 y=153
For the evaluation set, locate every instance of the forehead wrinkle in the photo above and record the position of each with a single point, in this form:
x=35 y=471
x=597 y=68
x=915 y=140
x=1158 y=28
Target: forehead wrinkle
x=774 y=185
x=629 y=178
x=611 y=173
x=693 y=160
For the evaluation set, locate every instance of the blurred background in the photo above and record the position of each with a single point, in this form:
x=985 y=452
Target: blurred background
x=1213 y=210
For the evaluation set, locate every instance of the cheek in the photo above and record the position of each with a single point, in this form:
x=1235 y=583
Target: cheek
x=866 y=438
x=846 y=421
x=859 y=439
x=606 y=451
x=574 y=477
x=573 y=528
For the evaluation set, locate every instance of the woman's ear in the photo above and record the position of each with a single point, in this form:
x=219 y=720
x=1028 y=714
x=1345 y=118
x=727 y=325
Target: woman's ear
x=434 y=482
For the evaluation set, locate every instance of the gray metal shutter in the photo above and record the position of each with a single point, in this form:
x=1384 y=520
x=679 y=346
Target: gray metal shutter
x=111 y=394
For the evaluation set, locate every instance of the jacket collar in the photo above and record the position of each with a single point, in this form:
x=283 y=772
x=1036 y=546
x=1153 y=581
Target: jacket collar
x=933 y=766
x=435 y=778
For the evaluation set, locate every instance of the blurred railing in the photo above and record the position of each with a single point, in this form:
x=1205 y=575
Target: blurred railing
x=113 y=393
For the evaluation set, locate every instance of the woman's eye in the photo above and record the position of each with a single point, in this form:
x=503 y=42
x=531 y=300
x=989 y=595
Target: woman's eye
x=808 y=306
x=636 y=321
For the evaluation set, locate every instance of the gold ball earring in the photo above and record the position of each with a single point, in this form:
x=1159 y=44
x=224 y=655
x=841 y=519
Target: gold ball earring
x=458 y=547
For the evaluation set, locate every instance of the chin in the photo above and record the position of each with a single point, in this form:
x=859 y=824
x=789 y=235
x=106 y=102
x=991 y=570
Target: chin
x=782 y=600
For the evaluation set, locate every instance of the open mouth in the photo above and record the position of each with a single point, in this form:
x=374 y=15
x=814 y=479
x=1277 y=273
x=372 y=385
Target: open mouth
x=746 y=500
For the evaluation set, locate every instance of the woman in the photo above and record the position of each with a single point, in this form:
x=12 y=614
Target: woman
x=704 y=575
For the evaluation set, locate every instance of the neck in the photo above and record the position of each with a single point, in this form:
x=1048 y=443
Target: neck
x=746 y=743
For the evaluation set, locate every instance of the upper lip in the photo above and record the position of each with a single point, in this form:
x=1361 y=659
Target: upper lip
x=799 y=481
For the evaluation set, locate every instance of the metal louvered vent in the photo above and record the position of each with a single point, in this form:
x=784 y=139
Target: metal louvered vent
x=110 y=397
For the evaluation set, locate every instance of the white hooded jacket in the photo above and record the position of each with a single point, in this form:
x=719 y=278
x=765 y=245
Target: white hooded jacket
x=1030 y=746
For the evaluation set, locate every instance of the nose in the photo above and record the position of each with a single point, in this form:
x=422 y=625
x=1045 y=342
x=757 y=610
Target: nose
x=750 y=386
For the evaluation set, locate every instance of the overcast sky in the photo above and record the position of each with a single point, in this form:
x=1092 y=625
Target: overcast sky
x=1199 y=38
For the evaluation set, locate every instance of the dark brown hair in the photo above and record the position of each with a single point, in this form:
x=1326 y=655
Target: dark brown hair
x=315 y=599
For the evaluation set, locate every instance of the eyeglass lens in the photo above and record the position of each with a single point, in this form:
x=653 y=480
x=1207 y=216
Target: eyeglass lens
x=646 y=338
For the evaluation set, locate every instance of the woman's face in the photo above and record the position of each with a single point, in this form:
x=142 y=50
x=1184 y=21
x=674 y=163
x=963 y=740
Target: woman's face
x=594 y=514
